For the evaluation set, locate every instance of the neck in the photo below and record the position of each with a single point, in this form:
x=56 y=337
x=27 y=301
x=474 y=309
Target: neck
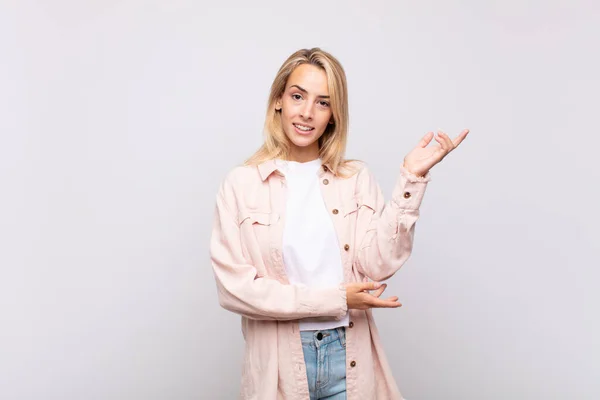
x=304 y=154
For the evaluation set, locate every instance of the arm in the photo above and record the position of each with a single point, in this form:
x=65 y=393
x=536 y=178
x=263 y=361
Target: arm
x=385 y=231
x=242 y=292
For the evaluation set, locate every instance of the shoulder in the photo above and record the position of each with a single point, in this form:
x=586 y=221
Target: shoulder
x=237 y=179
x=241 y=174
x=354 y=164
x=356 y=170
x=355 y=178
x=364 y=184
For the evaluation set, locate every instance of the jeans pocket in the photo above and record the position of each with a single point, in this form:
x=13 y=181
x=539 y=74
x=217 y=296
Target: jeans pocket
x=342 y=336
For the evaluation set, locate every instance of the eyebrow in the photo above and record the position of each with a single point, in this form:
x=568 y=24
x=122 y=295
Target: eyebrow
x=305 y=91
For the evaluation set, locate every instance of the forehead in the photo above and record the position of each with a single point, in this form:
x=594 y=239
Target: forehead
x=309 y=77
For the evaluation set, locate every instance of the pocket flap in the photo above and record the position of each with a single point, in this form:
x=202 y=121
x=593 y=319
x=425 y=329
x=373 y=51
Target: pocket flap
x=257 y=217
x=357 y=202
x=350 y=206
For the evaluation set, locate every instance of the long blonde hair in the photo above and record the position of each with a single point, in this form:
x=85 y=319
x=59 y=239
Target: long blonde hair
x=332 y=144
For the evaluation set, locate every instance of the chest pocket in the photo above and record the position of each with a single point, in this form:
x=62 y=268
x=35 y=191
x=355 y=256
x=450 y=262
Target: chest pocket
x=257 y=235
x=258 y=218
x=352 y=205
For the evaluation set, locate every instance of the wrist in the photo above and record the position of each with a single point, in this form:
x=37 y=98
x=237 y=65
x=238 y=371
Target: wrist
x=411 y=171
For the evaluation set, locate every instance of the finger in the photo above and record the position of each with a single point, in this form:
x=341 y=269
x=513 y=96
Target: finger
x=449 y=145
x=379 y=291
x=442 y=142
x=369 y=285
x=426 y=139
x=388 y=303
x=458 y=140
x=357 y=286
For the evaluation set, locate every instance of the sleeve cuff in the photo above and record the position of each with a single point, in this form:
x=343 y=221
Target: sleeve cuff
x=330 y=301
x=410 y=189
x=414 y=178
x=344 y=305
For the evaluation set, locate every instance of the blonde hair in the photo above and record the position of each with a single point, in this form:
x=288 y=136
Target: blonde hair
x=332 y=144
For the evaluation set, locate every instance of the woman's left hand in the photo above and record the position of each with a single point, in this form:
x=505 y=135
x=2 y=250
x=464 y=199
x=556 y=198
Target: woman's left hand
x=422 y=158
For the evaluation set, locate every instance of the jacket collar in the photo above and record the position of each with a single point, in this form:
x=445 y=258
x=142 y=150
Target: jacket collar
x=266 y=168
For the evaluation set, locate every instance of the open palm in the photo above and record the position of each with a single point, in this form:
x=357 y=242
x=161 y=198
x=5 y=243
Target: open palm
x=422 y=158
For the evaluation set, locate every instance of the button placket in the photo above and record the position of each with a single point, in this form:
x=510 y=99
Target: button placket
x=279 y=194
x=331 y=198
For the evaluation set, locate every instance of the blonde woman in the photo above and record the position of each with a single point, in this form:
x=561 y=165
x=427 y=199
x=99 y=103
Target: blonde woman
x=302 y=237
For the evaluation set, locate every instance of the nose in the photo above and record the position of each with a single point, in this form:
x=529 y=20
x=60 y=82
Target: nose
x=307 y=111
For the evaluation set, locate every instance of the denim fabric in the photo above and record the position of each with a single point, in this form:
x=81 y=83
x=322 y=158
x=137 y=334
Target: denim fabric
x=325 y=361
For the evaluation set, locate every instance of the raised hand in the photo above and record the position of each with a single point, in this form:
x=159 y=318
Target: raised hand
x=422 y=158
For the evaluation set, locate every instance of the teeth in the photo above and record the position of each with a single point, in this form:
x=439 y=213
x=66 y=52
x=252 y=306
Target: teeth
x=303 y=128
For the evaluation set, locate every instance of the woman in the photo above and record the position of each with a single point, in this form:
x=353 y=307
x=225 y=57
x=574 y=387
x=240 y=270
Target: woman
x=302 y=235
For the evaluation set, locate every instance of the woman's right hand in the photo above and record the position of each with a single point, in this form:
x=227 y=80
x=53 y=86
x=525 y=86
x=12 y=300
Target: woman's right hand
x=358 y=297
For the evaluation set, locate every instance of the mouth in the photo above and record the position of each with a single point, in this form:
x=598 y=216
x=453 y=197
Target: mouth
x=303 y=129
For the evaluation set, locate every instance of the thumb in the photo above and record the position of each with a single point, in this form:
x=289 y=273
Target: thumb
x=371 y=285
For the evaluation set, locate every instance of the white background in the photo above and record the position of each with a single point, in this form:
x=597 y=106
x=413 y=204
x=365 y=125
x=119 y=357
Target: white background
x=118 y=120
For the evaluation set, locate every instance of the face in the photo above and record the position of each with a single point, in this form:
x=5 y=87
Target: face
x=305 y=110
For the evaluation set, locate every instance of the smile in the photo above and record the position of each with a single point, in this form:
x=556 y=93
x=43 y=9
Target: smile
x=303 y=128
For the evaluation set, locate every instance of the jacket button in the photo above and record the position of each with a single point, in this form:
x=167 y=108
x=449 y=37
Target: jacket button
x=346 y=247
x=335 y=211
x=406 y=195
x=319 y=336
x=325 y=181
x=351 y=324
x=353 y=364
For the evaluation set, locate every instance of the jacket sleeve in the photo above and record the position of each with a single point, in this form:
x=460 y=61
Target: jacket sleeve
x=241 y=291
x=385 y=231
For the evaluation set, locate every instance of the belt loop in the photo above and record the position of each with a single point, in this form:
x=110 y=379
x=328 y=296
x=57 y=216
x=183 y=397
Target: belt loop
x=342 y=334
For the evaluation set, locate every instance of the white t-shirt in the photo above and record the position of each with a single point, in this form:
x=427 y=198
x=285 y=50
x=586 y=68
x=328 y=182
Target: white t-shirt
x=311 y=252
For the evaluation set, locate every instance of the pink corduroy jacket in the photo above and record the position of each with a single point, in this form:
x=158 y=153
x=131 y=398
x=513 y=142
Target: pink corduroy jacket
x=375 y=239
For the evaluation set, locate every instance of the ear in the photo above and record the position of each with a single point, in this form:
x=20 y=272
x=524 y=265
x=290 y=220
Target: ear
x=278 y=105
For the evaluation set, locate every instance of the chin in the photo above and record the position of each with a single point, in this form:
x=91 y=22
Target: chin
x=303 y=140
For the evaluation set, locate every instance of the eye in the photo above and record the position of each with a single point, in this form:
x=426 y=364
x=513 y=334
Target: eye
x=324 y=103
x=296 y=96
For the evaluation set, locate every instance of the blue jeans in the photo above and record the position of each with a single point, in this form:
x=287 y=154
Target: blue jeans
x=325 y=359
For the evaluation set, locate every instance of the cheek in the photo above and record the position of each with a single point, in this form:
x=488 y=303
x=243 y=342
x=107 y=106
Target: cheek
x=324 y=120
x=288 y=111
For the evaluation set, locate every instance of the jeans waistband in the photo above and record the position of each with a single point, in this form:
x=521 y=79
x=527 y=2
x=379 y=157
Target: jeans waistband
x=326 y=335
